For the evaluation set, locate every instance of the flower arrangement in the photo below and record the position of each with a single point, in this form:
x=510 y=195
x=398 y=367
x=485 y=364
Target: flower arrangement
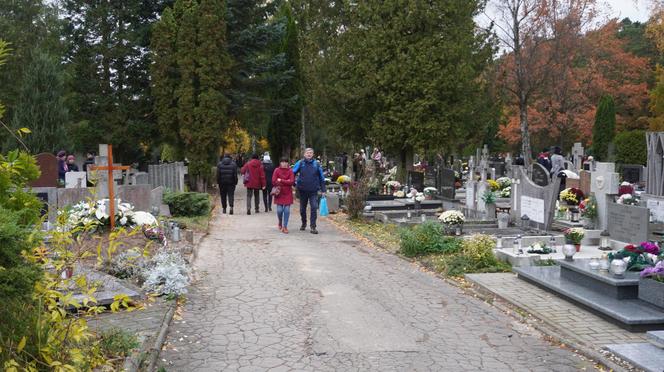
x=627 y=199
x=452 y=218
x=571 y=195
x=489 y=197
x=494 y=185
x=506 y=192
x=655 y=273
x=625 y=188
x=343 y=179
x=393 y=185
x=588 y=208
x=641 y=256
x=155 y=233
x=430 y=191
x=418 y=197
x=94 y=214
x=504 y=182
x=540 y=248
x=400 y=194
x=575 y=235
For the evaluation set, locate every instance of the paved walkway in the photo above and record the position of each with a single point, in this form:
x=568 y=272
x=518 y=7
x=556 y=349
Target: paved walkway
x=267 y=301
x=570 y=320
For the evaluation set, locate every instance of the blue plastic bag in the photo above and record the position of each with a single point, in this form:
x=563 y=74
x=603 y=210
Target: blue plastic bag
x=324 y=212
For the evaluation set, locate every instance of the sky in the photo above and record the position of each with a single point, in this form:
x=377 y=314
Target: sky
x=636 y=10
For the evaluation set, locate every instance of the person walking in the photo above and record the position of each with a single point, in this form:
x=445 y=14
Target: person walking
x=253 y=178
x=282 y=182
x=310 y=185
x=227 y=180
x=268 y=168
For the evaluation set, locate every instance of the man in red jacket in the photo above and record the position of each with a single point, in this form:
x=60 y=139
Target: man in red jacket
x=253 y=177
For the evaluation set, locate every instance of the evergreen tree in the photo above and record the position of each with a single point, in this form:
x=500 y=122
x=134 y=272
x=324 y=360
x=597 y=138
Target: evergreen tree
x=604 y=128
x=191 y=76
x=40 y=106
x=284 y=129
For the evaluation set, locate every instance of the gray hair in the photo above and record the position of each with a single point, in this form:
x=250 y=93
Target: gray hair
x=308 y=149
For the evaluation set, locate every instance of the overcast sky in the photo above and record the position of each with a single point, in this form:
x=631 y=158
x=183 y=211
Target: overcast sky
x=635 y=10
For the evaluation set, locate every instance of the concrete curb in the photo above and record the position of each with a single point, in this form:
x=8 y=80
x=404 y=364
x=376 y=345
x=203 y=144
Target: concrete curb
x=153 y=353
x=483 y=294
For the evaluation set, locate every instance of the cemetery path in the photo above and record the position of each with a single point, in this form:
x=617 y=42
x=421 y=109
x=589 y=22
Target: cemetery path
x=265 y=301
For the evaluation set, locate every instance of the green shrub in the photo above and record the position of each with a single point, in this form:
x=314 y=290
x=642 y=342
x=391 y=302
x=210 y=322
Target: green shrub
x=427 y=238
x=476 y=256
x=631 y=147
x=188 y=204
x=117 y=342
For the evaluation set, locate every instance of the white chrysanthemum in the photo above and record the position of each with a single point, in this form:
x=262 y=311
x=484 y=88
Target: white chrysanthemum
x=144 y=218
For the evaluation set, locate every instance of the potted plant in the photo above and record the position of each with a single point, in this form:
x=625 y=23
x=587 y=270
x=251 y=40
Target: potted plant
x=588 y=208
x=627 y=199
x=489 y=199
x=571 y=196
x=453 y=219
x=651 y=284
x=574 y=236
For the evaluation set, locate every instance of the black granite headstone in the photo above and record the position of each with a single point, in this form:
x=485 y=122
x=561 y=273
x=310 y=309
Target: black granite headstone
x=43 y=196
x=416 y=180
x=632 y=173
x=446 y=180
x=539 y=175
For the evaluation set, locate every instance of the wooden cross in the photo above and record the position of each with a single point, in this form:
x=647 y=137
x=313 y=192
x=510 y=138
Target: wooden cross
x=111 y=195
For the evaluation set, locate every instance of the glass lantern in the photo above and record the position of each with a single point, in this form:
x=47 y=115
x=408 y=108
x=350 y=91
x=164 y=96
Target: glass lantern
x=515 y=245
x=569 y=251
x=575 y=215
x=499 y=242
x=552 y=243
x=409 y=214
x=525 y=222
x=604 y=241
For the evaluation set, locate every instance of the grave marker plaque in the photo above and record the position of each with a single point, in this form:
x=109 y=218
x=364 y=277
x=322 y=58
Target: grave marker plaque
x=539 y=175
x=628 y=223
x=48 y=165
x=417 y=180
x=632 y=173
x=75 y=180
x=533 y=208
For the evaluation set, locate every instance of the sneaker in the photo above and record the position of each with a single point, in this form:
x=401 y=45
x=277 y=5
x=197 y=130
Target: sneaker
x=284 y=230
x=314 y=231
x=303 y=227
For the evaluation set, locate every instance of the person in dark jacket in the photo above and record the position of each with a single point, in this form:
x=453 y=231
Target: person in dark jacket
x=227 y=180
x=89 y=160
x=268 y=168
x=71 y=164
x=254 y=180
x=62 y=165
x=544 y=160
x=310 y=186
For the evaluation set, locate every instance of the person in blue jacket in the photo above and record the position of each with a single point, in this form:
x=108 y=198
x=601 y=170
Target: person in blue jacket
x=310 y=184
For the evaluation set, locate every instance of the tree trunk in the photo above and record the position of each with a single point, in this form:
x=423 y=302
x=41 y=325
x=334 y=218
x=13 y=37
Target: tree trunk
x=303 y=138
x=525 y=134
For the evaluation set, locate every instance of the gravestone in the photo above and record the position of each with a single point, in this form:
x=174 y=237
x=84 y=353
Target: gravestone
x=140 y=196
x=49 y=198
x=632 y=173
x=585 y=182
x=655 y=166
x=68 y=197
x=447 y=180
x=157 y=197
x=655 y=205
x=76 y=180
x=482 y=187
x=627 y=223
x=471 y=194
x=535 y=201
x=48 y=165
x=539 y=175
x=416 y=180
x=577 y=156
x=604 y=183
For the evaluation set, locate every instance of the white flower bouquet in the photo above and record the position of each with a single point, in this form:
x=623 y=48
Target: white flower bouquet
x=452 y=217
x=93 y=214
x=400 y=194
x=419 y=197
x=430 y=191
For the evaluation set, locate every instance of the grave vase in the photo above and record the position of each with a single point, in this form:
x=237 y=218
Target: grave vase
x=491 y=211
x=578 y=247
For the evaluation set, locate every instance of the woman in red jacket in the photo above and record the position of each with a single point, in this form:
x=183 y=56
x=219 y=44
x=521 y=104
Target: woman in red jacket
x=282 y=183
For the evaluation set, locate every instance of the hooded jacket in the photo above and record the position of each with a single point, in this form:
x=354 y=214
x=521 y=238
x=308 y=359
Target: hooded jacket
x=227 y=172
x=256 y=174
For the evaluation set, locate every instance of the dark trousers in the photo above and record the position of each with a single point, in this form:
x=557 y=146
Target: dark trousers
x=311 y=198
x=256 y=193
x=267 y=198
x=227 y=195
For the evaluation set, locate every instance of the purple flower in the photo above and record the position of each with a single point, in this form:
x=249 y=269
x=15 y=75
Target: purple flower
x=651 y=248
x=656 y=271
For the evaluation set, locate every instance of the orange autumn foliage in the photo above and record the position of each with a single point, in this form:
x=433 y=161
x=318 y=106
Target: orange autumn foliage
x=582 y=68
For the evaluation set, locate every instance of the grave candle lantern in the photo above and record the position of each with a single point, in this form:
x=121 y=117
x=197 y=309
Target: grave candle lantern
x=552 y=243
x=575 y=215
x=499 y=242
x=604 y=242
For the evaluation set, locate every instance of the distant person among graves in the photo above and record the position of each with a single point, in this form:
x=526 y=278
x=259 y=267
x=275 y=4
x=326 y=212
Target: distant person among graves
x=253 y=178
x=227 y=180
x=71 y=164
x=89 y=160
x=344 y=163
x=283 y=180
x=358 y=167
x=543 y=160
x=377 y=158
x=557 y=161
x=268 y=168
x=310 y=186
x=62 y=165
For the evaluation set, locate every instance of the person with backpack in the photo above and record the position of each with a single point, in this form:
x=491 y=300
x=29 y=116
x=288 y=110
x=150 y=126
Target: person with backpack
x=253 y=178
x=310 y=185
x=268 y=168
x=227 y=180
x=282 y=181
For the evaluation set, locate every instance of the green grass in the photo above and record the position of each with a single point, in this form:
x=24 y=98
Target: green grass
x=197 y=223
x=118 y=342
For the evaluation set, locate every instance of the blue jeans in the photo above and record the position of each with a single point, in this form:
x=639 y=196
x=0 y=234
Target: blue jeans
x=311 y=198
x=283 y=213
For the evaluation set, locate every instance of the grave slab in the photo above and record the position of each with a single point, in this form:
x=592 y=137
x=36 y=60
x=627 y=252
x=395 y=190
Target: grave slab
x=631 y=314
x=645 y=356
x=656 y=338
x=109 y=286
